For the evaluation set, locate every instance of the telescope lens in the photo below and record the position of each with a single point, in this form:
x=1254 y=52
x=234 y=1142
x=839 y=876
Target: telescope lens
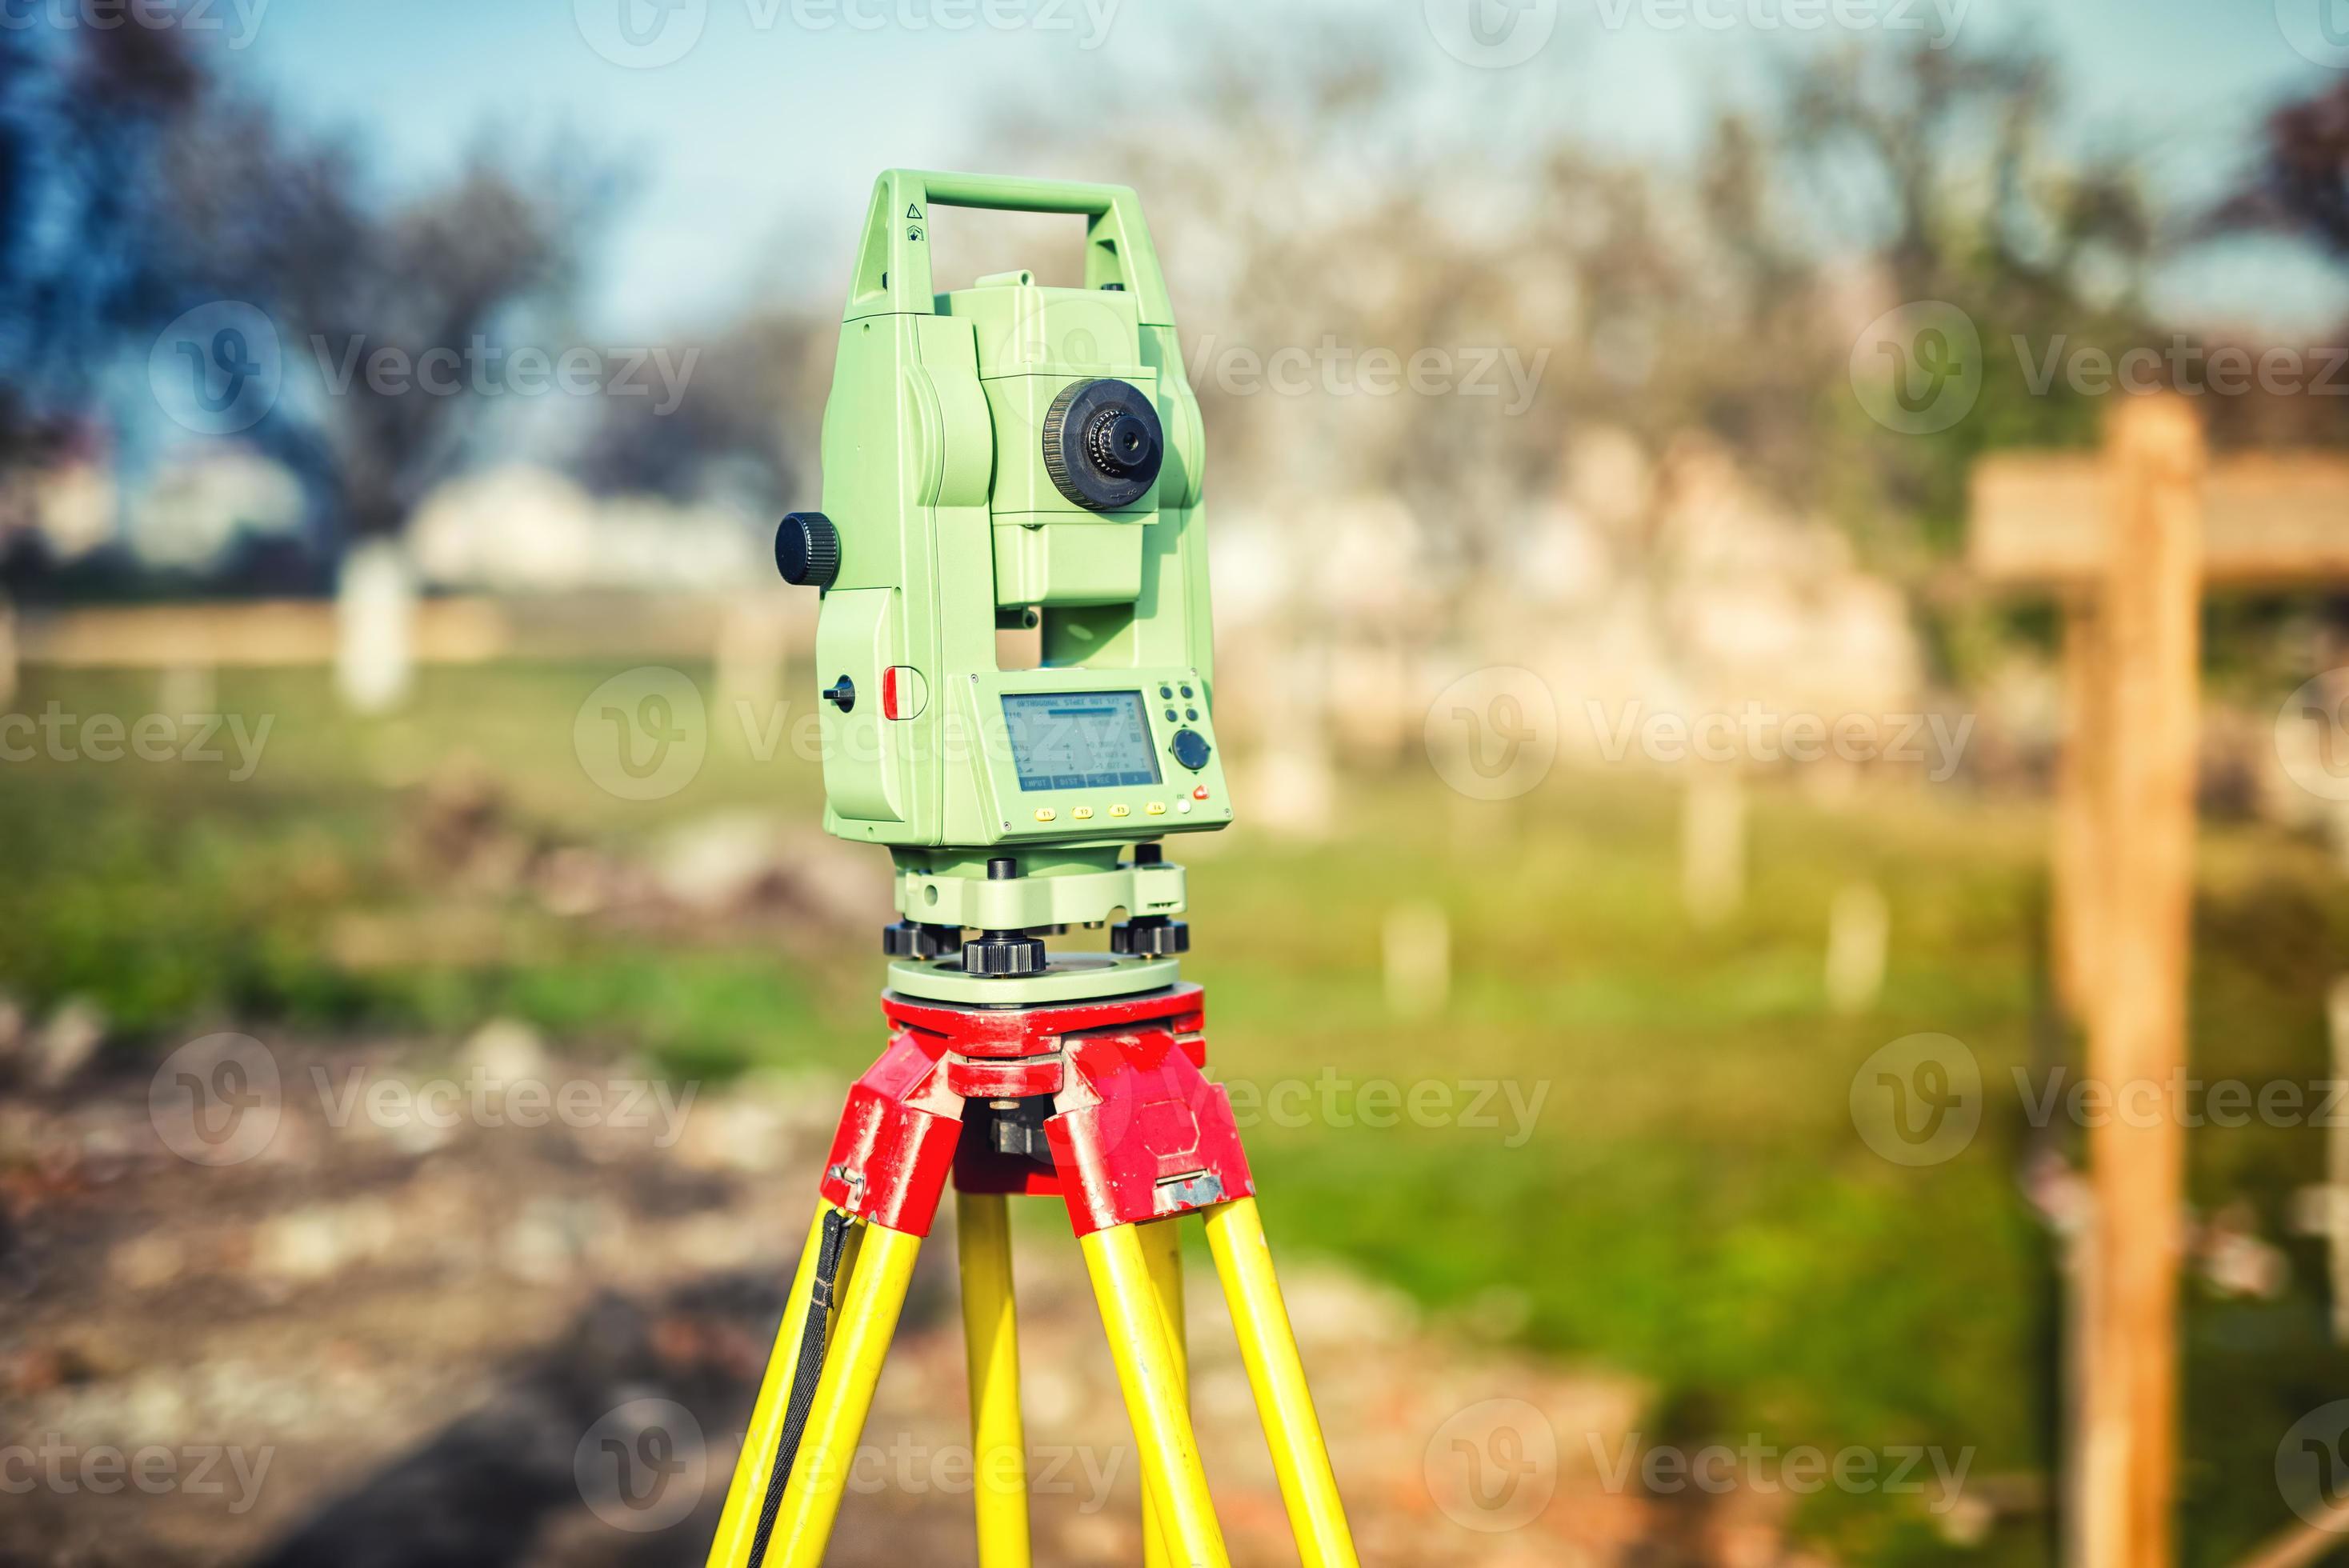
x=1102 y=444
x=1129 y=444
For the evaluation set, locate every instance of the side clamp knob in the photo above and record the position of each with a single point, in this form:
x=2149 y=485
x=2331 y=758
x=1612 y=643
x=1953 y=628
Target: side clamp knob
x=807 y=551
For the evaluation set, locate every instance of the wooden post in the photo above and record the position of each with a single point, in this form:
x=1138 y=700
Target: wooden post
x=2136 y=1025
x=2078 y=867
x=2128 y=544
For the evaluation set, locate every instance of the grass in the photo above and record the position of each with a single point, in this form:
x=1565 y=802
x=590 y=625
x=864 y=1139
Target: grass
x=1691 y=1202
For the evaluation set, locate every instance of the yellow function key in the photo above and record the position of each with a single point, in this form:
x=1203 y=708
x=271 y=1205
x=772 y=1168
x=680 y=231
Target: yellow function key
x=1157 y=808
x=1046 y=814
x=1121 y=810
x=1082 y=813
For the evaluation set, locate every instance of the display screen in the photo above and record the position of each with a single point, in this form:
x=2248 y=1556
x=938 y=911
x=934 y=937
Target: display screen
x=1080 y=741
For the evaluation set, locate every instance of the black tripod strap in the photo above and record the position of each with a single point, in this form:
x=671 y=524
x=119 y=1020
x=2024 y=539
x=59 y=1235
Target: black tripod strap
x=804 y=1377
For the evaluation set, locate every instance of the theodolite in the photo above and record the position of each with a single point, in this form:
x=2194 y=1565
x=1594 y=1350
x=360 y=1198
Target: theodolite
x=1012 y=457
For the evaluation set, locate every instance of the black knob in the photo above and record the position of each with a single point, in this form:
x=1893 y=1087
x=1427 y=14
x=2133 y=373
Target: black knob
x=1102 y=444
x=910 y=939
x=1153 y=935
x=1000 y=954
x=807 y=550
x=841 y=694
x=1191 y=749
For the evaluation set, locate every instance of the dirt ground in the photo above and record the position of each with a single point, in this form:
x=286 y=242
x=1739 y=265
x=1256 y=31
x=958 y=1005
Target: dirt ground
x=380 y=1341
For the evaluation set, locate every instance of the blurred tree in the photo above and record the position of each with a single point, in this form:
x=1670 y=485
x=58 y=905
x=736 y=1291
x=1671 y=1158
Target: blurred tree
x=431 y=282
x=134 y=186
x=728 y=441
x=85 y=115
x=1330 y=198
x=1941 y=173
x=2299 y=183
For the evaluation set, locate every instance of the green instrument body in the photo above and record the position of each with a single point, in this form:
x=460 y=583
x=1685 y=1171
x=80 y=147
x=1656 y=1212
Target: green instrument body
x=952 y=524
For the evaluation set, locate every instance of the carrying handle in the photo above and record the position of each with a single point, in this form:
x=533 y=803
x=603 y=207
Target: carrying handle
x=893 y=264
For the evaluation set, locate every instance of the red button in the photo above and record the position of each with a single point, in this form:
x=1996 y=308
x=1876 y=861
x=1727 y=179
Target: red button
x=889 y=692
x=1200 y=793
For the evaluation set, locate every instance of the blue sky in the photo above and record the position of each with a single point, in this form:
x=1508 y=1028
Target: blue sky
x=754 y=151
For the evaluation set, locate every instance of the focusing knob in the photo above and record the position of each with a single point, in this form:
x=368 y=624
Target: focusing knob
x=1102 y=444
x=807 y=551
x=1191 y=749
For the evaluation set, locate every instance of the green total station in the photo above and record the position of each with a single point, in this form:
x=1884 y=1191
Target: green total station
x=1014 y=457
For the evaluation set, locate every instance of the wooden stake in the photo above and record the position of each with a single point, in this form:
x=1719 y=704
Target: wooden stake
x=1417 y=949
x=1712 y=845
x=1859 y=928
x=2137 y=1024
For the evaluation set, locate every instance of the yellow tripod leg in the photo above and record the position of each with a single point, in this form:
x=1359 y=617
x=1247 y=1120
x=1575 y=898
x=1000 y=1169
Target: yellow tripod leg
x=852 y=1366
x=1268 y=1349
x=1162 y=1252
x=741 y=1517
x=999 y=1444
x=1153 y=1385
